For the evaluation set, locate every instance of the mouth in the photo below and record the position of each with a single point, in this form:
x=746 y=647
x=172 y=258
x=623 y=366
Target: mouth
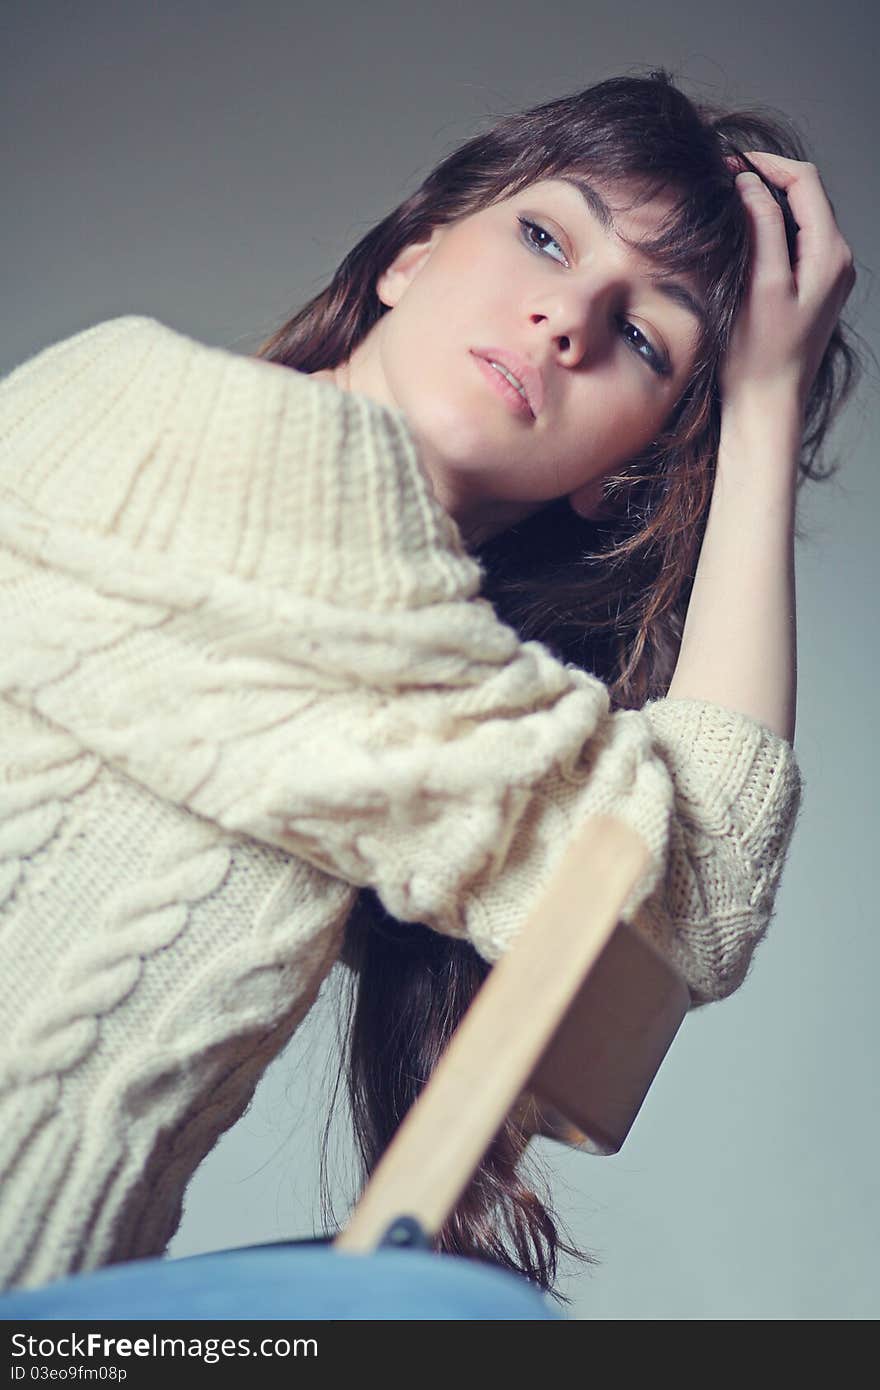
x=519 y=374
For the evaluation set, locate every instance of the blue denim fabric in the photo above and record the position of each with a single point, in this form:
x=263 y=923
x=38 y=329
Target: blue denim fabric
x=290 y=1280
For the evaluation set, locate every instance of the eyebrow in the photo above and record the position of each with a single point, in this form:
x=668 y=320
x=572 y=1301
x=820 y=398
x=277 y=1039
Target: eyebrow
x=672 y=289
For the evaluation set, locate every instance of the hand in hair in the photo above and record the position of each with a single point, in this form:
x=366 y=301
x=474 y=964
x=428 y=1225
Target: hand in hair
x=789 y=311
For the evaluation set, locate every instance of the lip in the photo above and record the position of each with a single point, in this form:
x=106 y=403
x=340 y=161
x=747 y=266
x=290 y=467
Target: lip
x=529 y=376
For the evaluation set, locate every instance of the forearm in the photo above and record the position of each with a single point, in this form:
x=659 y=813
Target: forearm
x=739 y=645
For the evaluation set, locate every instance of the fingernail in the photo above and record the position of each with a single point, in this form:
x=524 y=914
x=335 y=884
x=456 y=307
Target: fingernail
x=748 y=181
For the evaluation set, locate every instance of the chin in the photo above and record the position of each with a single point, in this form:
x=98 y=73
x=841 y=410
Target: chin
x=461 y=437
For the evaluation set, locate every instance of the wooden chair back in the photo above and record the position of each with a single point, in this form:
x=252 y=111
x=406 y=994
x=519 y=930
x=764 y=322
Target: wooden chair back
x=568 y=1029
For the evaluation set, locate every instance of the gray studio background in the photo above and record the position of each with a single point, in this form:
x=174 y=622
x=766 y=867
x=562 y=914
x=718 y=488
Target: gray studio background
x=209 y=164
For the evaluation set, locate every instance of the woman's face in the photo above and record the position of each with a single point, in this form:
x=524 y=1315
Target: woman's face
x=567 y=298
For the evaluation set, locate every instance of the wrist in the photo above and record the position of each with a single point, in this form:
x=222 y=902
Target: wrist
x=764 y=413
x=760 y=442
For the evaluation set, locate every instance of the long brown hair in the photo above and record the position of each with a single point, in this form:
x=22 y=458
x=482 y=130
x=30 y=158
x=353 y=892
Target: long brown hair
x=608 y=595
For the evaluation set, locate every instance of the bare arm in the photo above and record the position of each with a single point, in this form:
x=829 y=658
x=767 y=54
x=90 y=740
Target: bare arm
x=739 y=645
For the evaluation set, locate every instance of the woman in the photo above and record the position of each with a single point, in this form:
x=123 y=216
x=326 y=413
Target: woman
x=266 y=683
x=628 y=442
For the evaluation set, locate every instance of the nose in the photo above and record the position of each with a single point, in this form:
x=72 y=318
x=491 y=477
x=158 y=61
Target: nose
x=575 y=319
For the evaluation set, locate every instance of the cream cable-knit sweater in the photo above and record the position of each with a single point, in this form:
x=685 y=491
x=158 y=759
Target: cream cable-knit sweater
x=245 y=670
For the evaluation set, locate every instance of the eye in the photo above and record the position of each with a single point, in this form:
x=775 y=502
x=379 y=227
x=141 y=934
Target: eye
x=657 y=361
x=528 y=228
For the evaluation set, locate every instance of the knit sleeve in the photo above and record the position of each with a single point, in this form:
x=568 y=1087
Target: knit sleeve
x=286 y=637
x=738 y=792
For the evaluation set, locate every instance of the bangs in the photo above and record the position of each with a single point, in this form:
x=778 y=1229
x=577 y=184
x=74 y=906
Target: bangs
x=701 y=234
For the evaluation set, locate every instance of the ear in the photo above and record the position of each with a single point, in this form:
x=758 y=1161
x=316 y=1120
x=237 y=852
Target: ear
x=394 y=280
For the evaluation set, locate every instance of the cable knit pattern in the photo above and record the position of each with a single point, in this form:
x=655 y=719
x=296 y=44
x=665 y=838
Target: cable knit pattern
x=247 y=670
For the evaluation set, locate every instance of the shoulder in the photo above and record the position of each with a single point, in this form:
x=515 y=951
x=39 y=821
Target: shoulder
x=228 y=462
x=137 y=362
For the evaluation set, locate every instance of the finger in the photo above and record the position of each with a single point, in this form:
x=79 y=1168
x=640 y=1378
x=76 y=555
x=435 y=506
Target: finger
x=770 y=263
x=785 y=175
x=819 y=238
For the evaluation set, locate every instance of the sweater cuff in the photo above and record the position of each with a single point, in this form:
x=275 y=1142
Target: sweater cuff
x=724 y=763
x=738 y=793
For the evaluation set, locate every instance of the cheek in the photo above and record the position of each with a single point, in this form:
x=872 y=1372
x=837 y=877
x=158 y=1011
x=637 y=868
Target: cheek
x=612 y=425
x=631 y=415
x=441 y=307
